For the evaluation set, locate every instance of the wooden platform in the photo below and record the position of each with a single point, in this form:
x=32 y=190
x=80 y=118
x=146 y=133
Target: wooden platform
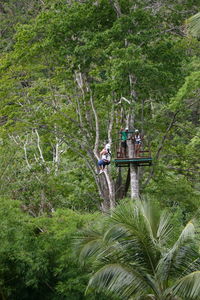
x=140 y=161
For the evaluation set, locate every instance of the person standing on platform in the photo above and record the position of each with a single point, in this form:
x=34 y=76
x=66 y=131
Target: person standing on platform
x=137 y=139
x=124 y=138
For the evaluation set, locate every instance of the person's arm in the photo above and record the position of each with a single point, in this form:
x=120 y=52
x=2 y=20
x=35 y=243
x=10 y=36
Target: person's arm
x=132 y=137
x=104 y=151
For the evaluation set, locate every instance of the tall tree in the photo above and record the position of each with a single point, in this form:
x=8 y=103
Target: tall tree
x=82 y=70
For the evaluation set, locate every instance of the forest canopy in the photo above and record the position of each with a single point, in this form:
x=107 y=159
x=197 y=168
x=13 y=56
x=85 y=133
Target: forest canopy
x=73 y=74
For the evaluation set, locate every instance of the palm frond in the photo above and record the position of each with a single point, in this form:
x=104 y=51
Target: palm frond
x=115 y=233
x=188 y=287
x=177 y=259
x=193 y=25
x=158 y=224
x=89 y=250
x=138 y=240
x=178 y=264
x=133 y=255
x=88 y=242
x=164 y=229
x=187 y=234
x=125 y=214
x=119 y=280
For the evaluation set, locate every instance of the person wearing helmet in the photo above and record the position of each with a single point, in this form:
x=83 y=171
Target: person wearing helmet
x=137 y=139
x=105 y=158
x=124 y=138
x=107 y=147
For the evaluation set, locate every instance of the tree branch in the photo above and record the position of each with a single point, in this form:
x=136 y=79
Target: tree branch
x=96 y=145
x=157 y=156
x=25 y=154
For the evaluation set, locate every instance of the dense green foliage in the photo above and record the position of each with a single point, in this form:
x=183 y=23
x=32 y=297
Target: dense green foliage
x=138 y=253
x=44 y=99
x=72 y=74
x=37 y=258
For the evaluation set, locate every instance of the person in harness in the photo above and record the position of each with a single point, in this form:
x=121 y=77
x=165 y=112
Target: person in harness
x=105 y=158
x=137 y=139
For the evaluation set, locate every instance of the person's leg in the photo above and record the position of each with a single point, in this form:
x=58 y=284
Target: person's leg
x=106 y=164
x=100 y=164
x=139 y=146
x=103 y=166
x=123 y=149
x=136 y=150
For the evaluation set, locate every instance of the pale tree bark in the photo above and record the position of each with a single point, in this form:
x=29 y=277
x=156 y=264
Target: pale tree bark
x=134 y=169
x=110 y=182
x=133 y=172
x=86 y=142
x=40 y=151
x=39 y=147
x=57 y=151
x=106 y=186
x=96 y=145
x=25 y=154
x=116 y=6
x=104 y=182
x=134 y=181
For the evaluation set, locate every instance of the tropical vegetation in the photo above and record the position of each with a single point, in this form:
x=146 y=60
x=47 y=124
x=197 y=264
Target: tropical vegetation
x=140 y=252
x=73 y=73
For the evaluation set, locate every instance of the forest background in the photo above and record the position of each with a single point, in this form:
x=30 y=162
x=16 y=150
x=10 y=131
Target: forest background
x=73 y=73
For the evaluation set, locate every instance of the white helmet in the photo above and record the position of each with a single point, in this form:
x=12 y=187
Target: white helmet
x=107 y=146
x=136 y=130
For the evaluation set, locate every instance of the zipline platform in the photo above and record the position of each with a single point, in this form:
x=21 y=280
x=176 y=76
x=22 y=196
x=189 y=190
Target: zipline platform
x=144 y=159
x=138 y=161
x=134 y=152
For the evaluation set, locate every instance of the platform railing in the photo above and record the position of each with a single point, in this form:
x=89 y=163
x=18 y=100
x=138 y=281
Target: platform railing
x=142 y=153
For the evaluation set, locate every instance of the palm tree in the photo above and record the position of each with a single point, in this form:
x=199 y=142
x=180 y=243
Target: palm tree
x=194 y=25
x=137 y=254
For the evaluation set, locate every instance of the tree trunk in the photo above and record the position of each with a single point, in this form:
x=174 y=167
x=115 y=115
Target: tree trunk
x=127 y=184
x=111 y=189
x=119 y=191
x=134 y=171
x=107 y=191
x=134 y=181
